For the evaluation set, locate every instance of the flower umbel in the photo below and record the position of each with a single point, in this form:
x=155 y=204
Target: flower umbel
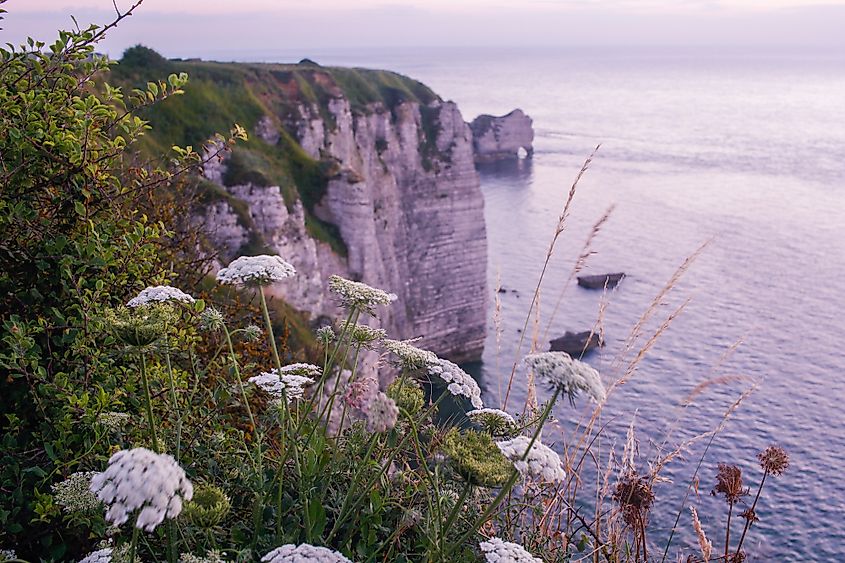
x=459 y=382
x=382 y=413
x=476 y=458
x=99 y=556
x=572 y=376
x=496 y=422
x=357 y=295
x=113 y=421
x=211 y=319
x=635 y=497
x=74 y=494
x=541 y=463
x=496 y=550
x=303 y=553
x=729 y=483
x=208 y=507
x=255 y=271
x=289 y=385
x=774 y=460
x=140 y=479
x=410 y=357
x=159 y=294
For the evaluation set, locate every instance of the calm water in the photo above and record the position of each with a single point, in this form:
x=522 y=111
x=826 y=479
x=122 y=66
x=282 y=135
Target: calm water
x=745 y=151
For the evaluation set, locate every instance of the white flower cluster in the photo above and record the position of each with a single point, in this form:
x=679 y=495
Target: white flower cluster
x=8 y=554
x=572 y=376
x=303 y=553
x=308 y=370
x=382 y=413
x=140 y=479
x=99 y=556
x=499 y=551
x=113 y=421
x=357 y=295
x=541 y=463
x=325 y=334
x=159 y=294
x=459 y=382
x=255 y=270
x=287 y=385
x=74 y=493
x=364 y=335
x=212 y=556
x=410 y=357
x=211 y=319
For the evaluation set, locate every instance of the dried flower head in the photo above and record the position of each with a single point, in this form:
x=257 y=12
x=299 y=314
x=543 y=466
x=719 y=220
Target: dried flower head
x=113 y=421
x=159 y=294
x=255 y=271
x=750 y=514
x=476 y=458
x=74 y=494
x=252 y=333
x=211 y=319
x=635 y=497
x=774 y=460
x=366 y=336
x=496 y=422
x=704 y=544
x=729 y=483
x=357 y=295
x=360 y=392
x=571 y=376
x=496 y=550
x=408 y=394
x=325 y=334
x=410 y=357
x=303 y=553
x=290 y=384
x=381 y=413
x=209 y=506
x=99 y=556
x=541 y=462
x=140 y=479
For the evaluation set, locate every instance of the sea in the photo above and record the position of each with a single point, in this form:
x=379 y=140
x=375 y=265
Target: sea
x=723 y=172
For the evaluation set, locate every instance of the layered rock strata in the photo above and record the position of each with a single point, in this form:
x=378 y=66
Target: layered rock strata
x=501 y=138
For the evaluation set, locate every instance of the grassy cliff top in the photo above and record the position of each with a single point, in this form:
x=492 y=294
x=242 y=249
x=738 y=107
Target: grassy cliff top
x=220 y=94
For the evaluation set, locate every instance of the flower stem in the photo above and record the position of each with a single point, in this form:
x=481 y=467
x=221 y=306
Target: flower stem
x=269 y=326
x=149 y=404
x=728 y=532
x=753 y=506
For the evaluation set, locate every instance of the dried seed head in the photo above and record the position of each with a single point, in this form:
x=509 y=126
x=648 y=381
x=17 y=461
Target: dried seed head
x=635 y=497
x=750 y=514
x=774 y=460
x=729 y=483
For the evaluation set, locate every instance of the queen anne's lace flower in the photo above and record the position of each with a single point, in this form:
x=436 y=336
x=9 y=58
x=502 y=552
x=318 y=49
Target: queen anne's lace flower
x=255 y=270
x=211 y=319
x=572 y=376
x=252 y=333
x=74 y=494
x=499 y=551
x=325 y=334
x=99 y=556
x=113 y=421
x=159 y=294
x=410 y=357
x=541 y=462
x=365 y=336
x=8 y=554
x=288 y=385
x=303 y=553
x=357 y=295
x=212 y=556
x=140 y=479
x=382 y=413
x=308 y=370
x=459 y=382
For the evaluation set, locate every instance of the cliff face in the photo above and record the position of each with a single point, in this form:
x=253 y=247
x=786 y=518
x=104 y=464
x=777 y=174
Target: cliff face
x=397 y=190
x=499 y=138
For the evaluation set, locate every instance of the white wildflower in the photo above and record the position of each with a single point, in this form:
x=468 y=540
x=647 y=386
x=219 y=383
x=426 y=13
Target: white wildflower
x=303 y=553
x=255 y=271
x=365 y=336
x=213 y=556
x=572 y=376
x=410 y=357
x=459 y=382
x=289 y=385
x=382 y=413
x=140 y=479
x=8 y=554
x=308 y=370
x=99 y=556
x=541 y=462
x=499 y=551
x=357 y=295
x=252 y=333
x=159 y=294
x=74 y=494
x=325 y=334
x=113 y=421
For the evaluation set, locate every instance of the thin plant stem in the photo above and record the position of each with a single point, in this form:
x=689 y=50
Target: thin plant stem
x=270 y=336
x=133 y=545
x=753 y=506
x=728 y=531
x=149 y=403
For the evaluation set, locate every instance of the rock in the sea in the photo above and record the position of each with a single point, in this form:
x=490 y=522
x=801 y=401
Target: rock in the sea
x=502 y=138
